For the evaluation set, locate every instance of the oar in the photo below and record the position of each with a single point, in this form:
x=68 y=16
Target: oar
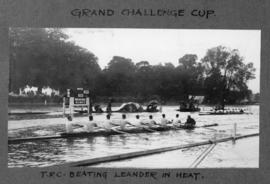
x=123 y=132
x=203 y=126
x=163 y=126
x=106 y=128
x=149 y=129
x=176 y=128
x=206 y=126
x=146 y=128
x=77 y=125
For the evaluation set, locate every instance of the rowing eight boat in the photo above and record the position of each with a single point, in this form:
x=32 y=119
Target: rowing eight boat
x=129 y=130
x=222 y=113
x=102 y=132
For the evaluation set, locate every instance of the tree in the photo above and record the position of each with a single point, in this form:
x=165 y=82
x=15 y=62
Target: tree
x=163 y=81
x=256 y=97
x=143 y=85
x=190 y=74
x=188 y=61
x=142 y=64
x=43 y=57
x=226 y=73
x=120 y=74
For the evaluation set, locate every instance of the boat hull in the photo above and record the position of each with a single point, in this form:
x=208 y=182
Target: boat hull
x=130 y=131
x=189 y=110
x=111 y=132
x=104 y=133
x=83 y=112
x=222 y=113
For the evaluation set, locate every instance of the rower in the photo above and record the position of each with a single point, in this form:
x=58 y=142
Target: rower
x=124 y=122
x=176 y=121
x=190 y=123
x=164 y=121
x=72 y=127
x=108 y=123
x=69 y=128
x=150 y=122
x=90 y=126
x=138 y=122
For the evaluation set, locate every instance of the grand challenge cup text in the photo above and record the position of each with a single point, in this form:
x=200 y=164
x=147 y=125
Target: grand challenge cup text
x=79 y=13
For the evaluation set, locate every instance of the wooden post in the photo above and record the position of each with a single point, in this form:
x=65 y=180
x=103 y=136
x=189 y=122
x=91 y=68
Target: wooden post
x=215 y=135
x=64 y=106
x=234 y=130
x=68 y=98
x=88 y=105
x=71 y=106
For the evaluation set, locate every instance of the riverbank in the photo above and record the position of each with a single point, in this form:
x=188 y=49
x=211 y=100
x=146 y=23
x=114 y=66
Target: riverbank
x=22 y=111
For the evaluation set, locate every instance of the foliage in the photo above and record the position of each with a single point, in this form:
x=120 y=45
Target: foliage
x=45 y=58
x=226 y=75
x=191 y=75
x=120 y=76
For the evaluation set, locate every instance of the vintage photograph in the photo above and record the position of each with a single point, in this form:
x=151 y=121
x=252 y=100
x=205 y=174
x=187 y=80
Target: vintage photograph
x=133 y=98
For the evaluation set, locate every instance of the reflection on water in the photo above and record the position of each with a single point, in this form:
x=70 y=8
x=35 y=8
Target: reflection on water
x=243 y=154
x=52 y=152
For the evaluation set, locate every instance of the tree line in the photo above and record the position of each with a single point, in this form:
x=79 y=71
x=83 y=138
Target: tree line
x=46 y=58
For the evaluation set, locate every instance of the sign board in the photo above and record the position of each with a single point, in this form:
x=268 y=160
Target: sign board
x=81 y=101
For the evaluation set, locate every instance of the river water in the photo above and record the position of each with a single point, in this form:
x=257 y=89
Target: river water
x=242 y=153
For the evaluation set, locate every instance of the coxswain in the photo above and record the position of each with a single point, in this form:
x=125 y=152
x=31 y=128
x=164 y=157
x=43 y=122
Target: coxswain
x=91 y=125
x=164 y=121
x=176 y=121
x=190 y=123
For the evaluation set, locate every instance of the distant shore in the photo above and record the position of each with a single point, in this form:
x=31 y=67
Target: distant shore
x=104 y=104
x=23 y=111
